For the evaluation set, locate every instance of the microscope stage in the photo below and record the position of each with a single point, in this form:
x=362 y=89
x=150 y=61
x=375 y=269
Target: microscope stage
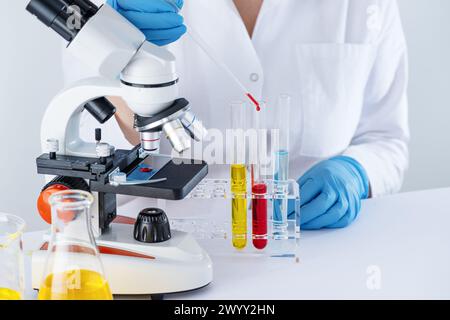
x=182 y=178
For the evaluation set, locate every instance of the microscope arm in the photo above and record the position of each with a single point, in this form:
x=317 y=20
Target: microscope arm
x=62 y=117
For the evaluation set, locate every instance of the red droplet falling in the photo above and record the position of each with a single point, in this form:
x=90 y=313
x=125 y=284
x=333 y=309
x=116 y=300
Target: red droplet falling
x=254 y=101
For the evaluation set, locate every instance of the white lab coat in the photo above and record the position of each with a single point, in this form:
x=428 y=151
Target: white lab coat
x=344 y=62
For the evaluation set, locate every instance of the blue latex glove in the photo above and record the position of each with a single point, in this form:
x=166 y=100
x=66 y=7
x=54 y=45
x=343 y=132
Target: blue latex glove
x=331 y=193
x=157 y=19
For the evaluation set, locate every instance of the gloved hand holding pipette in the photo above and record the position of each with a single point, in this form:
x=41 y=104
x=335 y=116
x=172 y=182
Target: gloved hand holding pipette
x=157 y=19
x=331 y=193
x=162 y=24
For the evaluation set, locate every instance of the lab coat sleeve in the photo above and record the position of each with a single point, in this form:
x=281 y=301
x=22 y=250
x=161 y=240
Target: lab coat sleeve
x=380 y=143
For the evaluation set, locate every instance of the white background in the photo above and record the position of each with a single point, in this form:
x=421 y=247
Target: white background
x=31 y=75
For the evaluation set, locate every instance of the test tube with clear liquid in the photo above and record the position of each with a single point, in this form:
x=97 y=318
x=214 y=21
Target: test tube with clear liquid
x=281 y=167
x=239 y=176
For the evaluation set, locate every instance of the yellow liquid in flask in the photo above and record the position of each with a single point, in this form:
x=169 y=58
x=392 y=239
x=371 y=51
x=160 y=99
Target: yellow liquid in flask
x=75 y=285
x=9 y=294
x=239 y=205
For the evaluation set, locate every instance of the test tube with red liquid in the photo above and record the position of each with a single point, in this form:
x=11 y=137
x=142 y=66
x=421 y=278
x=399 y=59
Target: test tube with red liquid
x=259 y=215
x=259 y=186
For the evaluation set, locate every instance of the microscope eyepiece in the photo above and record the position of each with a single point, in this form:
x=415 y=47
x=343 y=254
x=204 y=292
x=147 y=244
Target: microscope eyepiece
x=66 y=17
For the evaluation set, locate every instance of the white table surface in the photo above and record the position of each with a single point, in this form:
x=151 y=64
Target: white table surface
x=404 y=239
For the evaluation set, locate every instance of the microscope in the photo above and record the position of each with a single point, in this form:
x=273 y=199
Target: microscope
x=141 y=256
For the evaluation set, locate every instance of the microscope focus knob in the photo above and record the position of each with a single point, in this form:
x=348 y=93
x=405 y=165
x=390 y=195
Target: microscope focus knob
x=152 y=226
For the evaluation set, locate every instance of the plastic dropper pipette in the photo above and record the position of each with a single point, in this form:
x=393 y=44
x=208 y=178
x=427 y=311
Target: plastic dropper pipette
x=207 y=49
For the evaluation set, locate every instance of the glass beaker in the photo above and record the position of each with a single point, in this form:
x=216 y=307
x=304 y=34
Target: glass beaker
x=73 y=269
x=11 y=257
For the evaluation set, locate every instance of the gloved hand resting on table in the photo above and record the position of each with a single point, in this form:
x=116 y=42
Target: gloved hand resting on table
x=157 y=19
x=331 y=193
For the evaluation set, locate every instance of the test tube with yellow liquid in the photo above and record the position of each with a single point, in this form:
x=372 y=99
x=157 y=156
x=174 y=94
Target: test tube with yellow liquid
x=239 y=205
x=238 y=176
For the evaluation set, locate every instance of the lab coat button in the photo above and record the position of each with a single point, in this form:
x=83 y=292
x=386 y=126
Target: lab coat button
x=254 y=77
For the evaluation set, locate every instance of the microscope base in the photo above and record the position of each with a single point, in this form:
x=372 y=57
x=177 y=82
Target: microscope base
x=134 y=268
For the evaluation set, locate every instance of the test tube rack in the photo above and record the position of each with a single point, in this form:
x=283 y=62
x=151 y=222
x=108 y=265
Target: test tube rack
x=216 y=224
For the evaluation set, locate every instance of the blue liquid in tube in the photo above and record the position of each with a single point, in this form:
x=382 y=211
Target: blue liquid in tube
x=280 y=203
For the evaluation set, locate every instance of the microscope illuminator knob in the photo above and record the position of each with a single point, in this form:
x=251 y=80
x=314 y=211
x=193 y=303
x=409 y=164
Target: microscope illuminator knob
x=152 y=226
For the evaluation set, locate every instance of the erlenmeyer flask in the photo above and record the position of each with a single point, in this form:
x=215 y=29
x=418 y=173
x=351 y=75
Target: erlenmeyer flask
x=73 y=269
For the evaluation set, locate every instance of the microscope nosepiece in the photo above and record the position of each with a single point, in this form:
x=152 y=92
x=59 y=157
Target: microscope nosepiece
x=66 y=17
x=177 y=136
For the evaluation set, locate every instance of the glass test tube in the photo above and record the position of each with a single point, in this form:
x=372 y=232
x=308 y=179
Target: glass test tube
x=259 y=186
x=239 y=177
x=281 y=167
